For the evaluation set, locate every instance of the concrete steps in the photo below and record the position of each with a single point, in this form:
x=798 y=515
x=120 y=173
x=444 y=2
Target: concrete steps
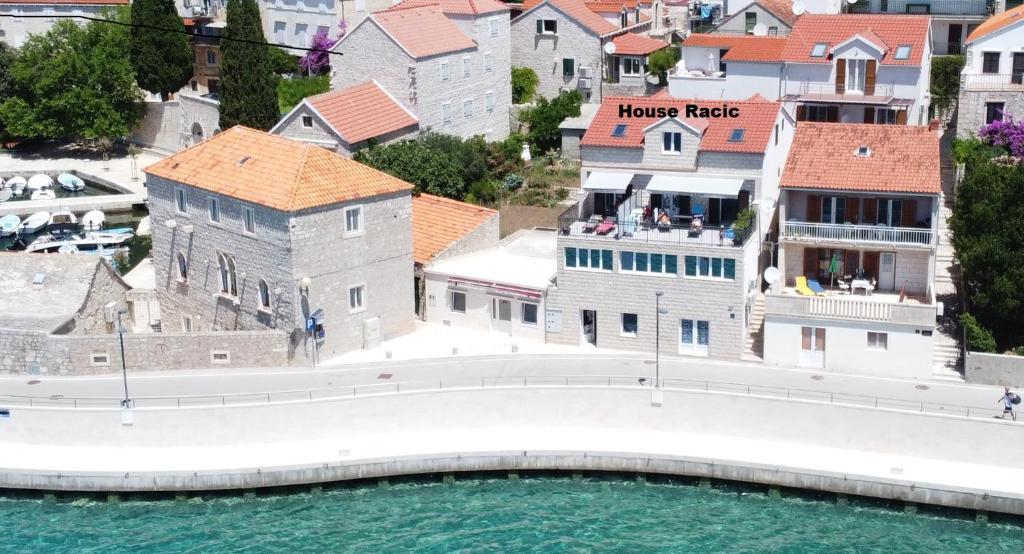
x=947 y=362
x=753 y=347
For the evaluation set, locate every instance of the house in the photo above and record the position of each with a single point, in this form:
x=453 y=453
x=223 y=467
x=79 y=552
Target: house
x=992 y=81
x=837 y=68
x=19 y=19
x=348 y=119
x=565 y=41
x=675 y=203
x=296 y=22
x=775 y=16
x=500 y=289
x=951 y=21
x=858 y=214
x=252 y=231
x=447 y=63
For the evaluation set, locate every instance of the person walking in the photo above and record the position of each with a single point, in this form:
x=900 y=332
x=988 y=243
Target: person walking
x=1008 y=399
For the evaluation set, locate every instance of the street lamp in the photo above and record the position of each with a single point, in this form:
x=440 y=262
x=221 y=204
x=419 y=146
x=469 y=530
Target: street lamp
x=657 y=339
x=126 y=403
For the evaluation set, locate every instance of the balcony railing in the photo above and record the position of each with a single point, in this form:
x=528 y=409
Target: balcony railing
x=805 y=88
x=940 y=48
x=994 y=81
x=923 y=7
x=857 y=233
x=851 y=307
x=680 y=232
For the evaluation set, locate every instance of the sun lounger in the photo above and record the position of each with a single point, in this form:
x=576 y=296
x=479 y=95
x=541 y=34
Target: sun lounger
x=605 y=227
x=801 y=287
x=815 y=286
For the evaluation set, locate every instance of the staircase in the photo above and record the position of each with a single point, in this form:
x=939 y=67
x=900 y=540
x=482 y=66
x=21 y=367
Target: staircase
x=947 y=360
x=753 y=347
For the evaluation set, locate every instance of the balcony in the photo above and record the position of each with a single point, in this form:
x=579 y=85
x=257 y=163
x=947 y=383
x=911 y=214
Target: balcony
x=806 y=91
x=878 y=307
x=994 y=81
x=848 y=232
x=634 y=228
x=980 y=8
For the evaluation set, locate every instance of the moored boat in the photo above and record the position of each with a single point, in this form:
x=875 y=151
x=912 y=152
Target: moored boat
x=17 y=184
x=44 y=194
x=39 y=181
x=5 y=195
x=63 y=219
x=34 y=223
x=93 y=220
x=9 y=225
x=70 y=182
x=84 y=242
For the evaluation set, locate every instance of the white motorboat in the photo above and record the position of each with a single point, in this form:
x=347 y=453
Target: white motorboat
x=84 y=242
x=16 y=184
x=34 y=223
x=5 y=195
x=93 y=220
x=44 y=194
x=9 y=225
x=70 y=182
x=39 y=181
x=63 y=219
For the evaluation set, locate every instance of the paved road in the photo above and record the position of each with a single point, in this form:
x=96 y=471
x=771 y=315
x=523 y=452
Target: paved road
x=470 y=369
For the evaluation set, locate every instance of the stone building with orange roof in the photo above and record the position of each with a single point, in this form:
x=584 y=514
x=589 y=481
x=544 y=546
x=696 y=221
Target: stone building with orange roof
x=253 y=231
x=992 y=81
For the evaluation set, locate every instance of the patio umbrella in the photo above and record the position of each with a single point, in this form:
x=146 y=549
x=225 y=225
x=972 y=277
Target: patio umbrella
x=833 y=268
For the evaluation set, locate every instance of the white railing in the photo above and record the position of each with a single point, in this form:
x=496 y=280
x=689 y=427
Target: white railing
x=994 y=81
x=857 y=233
x=809 y=88
x=849 y=308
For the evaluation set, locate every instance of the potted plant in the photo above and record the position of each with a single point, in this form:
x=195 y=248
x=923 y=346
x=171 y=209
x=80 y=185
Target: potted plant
x=741 y=227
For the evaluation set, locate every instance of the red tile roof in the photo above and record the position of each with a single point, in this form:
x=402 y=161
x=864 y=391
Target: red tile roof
x=757 y=118
x=423 y=31
x=894 y=31
x=577 y=10
x=636 y=45
x=903 y=158
x=437 y=223
x=782 y=9
x=273 y=171
x=997 y=22
x=455 y=7
x=361 y=111
x=743 y=48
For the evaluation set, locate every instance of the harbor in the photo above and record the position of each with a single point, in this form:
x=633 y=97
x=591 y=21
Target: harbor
x=99 y=193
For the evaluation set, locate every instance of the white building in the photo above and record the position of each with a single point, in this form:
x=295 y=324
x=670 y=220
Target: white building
x=858 y=239
x=775 y=16
x=18 y=20
x=838 y=68
x=992 y=81
x=296 y=22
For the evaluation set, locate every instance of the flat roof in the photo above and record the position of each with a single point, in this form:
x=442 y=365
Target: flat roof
x=587 y=113
x=64 y=284
x=525 y=259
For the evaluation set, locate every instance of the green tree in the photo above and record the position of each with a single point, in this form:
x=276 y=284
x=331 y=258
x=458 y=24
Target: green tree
x=661 y=61
x=524 y=84
x=248 y=88
x=430 y=171
x=291 y=91
x=7 y=57
x=73 y=82
x=162 y=59
x=546 y=116
x=282 y=62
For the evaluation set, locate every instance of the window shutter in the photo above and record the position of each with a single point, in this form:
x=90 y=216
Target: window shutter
x=871 y=210
x=869 y=78
x=814 y=208
x=840 y=76
x=570 y=257
x=852 y=209
x=869 y=115
x=901 y=117
x=540 y=26
x=909 y=213
x=801 y=113
x=832 y=114
x=729 y=268
x=811 y=263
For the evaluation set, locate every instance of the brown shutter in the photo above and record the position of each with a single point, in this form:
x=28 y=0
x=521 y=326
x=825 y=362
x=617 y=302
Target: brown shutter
x=871 y=210
x=801 y=113
x=805 y=338
x=814 y=208
x=869 y=115
x=852 y=262
x=909 y=215
x=901 y=117
x=840 y=76
x=869 y=78
x=811 y=263
x=852 y=209
x=832 y=114
x=871 y=264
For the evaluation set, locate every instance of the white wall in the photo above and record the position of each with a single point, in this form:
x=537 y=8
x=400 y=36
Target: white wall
x=478 y=310
x=1006 y=41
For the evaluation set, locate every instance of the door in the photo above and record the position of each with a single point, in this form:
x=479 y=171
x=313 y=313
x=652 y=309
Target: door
x=812 y=347
x=501 y=315
x=953 y=38
x=887 y=271
x=1017 y=71
x=589 y=325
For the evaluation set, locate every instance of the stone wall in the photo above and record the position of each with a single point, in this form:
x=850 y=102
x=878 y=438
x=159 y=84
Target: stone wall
x=971 y=108
x=107 y=286
x=994 y=369
x=486 y=235
x=322 y=135
x=544 y=53
x=200 y=119
x=159 y=126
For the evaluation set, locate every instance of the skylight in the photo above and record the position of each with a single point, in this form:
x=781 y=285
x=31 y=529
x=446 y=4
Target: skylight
x=863 y=152
x=819 y=50
x=619 y=131
x=902 y=52
x=737 y=135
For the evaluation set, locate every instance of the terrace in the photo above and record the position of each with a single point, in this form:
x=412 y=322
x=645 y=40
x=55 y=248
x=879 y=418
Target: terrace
x=979 y=8
x=994 y=81
x=853 y=219
x=879 y=306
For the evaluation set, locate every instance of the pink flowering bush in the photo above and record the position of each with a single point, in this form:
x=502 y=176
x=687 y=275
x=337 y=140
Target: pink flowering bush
x=318 y=61
x=1006 y=133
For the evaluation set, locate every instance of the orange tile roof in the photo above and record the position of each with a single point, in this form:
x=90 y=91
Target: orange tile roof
x=997 y=22
x=437 y=223
x=455 y=7
x=782 y=9
x=894 y=31
x=577 y=10
x=756 y=49
x=423 y=31
x=273 y=171
x=636 y=45
x=904 y=158
x=361 y=111
x=758 y=118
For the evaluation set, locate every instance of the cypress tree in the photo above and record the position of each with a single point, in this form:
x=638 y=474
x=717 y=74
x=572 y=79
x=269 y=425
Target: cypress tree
x=162 y=59
x=248 y=94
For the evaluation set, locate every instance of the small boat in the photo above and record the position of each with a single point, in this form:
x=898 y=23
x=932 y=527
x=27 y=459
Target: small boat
x=9 y=225
x=16 y=184
x=5 y=195
x=70 y=182
x=63 y=219
x=39 y=181
x=93 y=220
x=84 y=242
x=34 y=223
x=120 y=231
x=44 y=194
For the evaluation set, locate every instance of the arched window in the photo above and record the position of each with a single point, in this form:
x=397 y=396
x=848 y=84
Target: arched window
x=182 y=267
x=228 y=282
x=197 y=132
x=264 y=295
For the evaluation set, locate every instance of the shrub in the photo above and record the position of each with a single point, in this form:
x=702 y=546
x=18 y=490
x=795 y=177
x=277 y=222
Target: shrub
x=562 y=193
x=513 y=181
x=546 y=116
x=524 y=84
x=945 y=80
x=1005 y=133
x=661 y=61
x=282 y=62
x=979 y=339
x=486 y=192
x=291 y=91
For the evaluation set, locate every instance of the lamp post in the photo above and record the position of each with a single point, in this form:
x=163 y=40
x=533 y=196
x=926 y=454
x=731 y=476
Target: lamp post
x=657 y=339
x=126 y=403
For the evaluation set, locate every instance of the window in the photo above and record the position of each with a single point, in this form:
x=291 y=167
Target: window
x=100 y=359
x=356 y=298
x=990 y=62
x=993 y=112
x=467 y=109
x=488 y=61
x=822 y=113
x=750 y=22
x=492 y=26
x=773 y=31
x=181 y=200
x=818 y=50
x=467 y=65
x=264 y=295
x=623 y=18
x=632 y=66
x=812 y=339
x=353 y=220
x=885 y=116
x=307 y=121
x=489 y=100
x=878 y=341
x=446 y=73
x=501 y=309
x=630 y=324
x=710 y=268
x=671 y=143
x=890 y=212
x=249 y=220
x=855 y=75
x=643 y=262
x=300 y=34
x=902 y=52
x=446 y=113
x=214 y=207
x=529 y=313
x=547 y=27
x=568 y=67
x=323 y=29
x=588 y=258
x=694 y=336
x=211 y=57
x=220 y=357
x=457 y=302
x=186 y=324
x=619 y=131
x=737 y=135
x=228 y=280
x=194 y=85
x=182 y=267
x=833 y=209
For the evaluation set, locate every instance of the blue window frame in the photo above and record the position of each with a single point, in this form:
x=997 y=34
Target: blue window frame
x=588 y=258
x=570 y=256
x=713 y=268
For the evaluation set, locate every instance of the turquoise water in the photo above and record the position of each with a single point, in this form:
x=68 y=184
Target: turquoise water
x=492 y=515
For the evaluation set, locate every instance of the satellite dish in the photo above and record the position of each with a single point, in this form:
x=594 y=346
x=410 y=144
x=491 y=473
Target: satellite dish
x=851 y=1
x=609 y=48
x=771 y=275
x=799 y=8
x=761 y=30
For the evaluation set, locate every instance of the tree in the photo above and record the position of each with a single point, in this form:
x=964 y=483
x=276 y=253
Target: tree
x=661 y=61
x=7 y=58
x=248 y=93
x=73 y=82
x=430 y=171
x=524 y=84
x=318 y=62
x=945 y=80
x=283 y=63
x=291 y=91
x=162 y=59
x=546 y=116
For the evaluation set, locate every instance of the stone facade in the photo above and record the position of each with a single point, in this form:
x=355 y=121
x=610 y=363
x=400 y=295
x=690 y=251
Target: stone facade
x=544 y=53
x=737 y=22
x=322 y=134
x=295 y=22
x=200 y=119
x=972 y=105
x=160 y=127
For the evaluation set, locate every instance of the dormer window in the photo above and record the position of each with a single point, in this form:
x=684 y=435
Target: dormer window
x=902 y=52
x=737 y=135
x=671 y=143
x=619 y=131
x=863 y=152
x=636 y=13
x=819 y=49
x=624 y=18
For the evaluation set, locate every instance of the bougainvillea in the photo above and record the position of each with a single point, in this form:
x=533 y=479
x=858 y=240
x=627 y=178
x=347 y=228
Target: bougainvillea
x=1006 y=133
x=317 y=61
